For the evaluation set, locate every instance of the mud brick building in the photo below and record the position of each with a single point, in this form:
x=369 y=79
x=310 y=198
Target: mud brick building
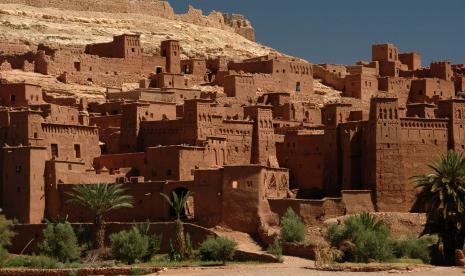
x=255 y=147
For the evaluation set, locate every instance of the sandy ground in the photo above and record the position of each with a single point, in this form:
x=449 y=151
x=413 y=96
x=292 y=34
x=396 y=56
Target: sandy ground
x=295 y=267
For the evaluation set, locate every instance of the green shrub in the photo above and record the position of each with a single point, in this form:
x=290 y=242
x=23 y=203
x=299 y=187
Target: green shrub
x=361 y=238
x=276 y=249
x=154 y=240
x=84 y=236
x=414 y=248
x=292 y=227
x=129 y=246
x=189 y=248
x=60 y=242
x=217 y=249
x=33 y=262
x=5 y=233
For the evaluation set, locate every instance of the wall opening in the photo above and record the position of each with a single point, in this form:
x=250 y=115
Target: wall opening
x=77 y=150
x=54 y=149
x=297 y=86
x=77 y=66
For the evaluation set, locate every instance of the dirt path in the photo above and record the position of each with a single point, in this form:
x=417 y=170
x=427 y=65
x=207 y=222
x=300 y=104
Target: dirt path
x=244 y=241
x=295 y=267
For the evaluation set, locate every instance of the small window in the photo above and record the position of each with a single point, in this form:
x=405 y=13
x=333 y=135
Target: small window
x=36 y=135
x=297 y=86
x=54 y=149
x=234 y=184
x=77 y=150
x=18 y=168
x=133 y=50
x=13 y=98
x=77 y=66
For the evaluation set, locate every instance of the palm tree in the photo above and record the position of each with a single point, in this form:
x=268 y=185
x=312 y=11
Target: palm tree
x=178 y=203
x=100 y=199
x=442 y=197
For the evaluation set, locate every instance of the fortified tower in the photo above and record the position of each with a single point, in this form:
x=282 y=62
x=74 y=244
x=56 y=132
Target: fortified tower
x=383 y=162
x=171 y=50
x=263 y=140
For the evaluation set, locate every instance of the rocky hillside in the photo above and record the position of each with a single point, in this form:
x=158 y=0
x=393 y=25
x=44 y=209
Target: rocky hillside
x=63 y=23
x=37 y=24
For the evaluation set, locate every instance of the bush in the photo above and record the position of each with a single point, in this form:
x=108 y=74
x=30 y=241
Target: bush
x=154 y=240
x=129 y=246
x=361 y=238
x=414 y=248
x=84 y=237
x=325 y=256
x=217 y=249
x=5 y=233
x=33 y=262
x=276 y=250
x=173 y=254
x=60 y=242
x=292 y=227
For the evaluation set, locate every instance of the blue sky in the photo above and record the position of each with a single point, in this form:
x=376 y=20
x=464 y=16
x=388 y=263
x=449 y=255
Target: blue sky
x=342 y=31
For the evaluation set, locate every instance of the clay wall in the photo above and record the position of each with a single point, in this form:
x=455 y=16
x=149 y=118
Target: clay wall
x=238 y=135
x=454 y=110
x=244 y=190
x=351 y=150
x=441 y=70
x=398 y=86
x=168 y=80
x=302 y=153
x=72 y=143
x=459 y=84
x=23 y=183
x=431 y=90
x=360 y=86
x=422 y=140
x=115 y=162
x=240 y=86
x=176 y=162
x=20 y=94
x=278 y=74
x=122 y=46
x=148 y=203
x=196 y=67
x=144 y=95
x=412 y=60
x=310 y=211
x=209 y=184
x=384 y=52
x=169 y=132
x=427 y=111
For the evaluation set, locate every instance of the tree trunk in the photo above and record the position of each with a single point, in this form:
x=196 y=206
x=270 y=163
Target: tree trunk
x=99 y=232
x=179 y=242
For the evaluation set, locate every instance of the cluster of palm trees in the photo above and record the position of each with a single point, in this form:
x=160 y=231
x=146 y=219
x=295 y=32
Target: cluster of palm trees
x=103 y=198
